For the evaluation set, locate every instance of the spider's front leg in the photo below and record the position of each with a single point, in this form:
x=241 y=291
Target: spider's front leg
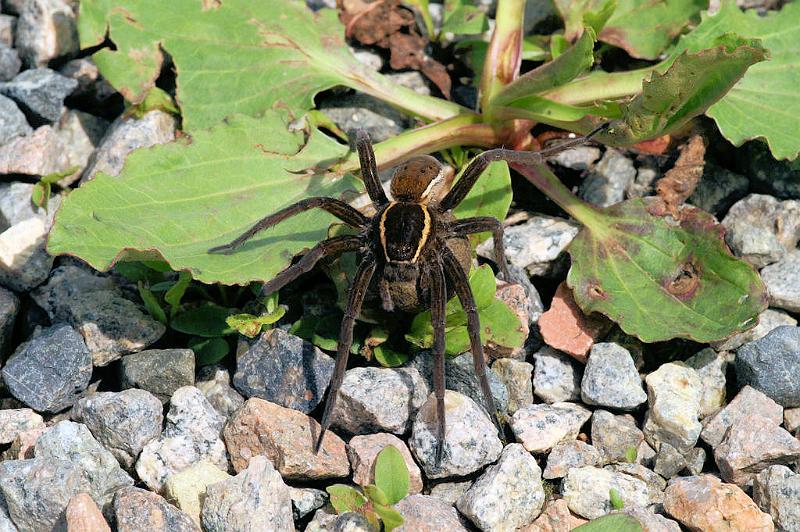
x=480 y=224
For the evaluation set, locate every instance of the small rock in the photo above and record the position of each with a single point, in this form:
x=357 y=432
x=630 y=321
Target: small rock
x=91 y=85
x=751 y=445
x=761 y=229
x=136 y=510
x=285 y=370
x=615 y=437
x=65 y=282
x=8 y=25
x=643 y=184
x=114 y=326
x=776 y=490
x=24 y=263
x=367 y=57
x=651 y=522
x=747 y=402
x=587 y=489
x=71 y=441
x=705 y=503
x=37 y=154
x=47 y=29
x=450 y=491
x=669 y=462
x=287 y=438
x=14 y=421
x=159 y=371
x=83 y=515
x=81 y=133
x=413 y=79
x=674 y=392
x=40 y=92
x=124 y=422
x=710 y=367
x=9 y=63
x=48 y=372
x=556 y=376
x=215 y=383
x=255 y=499
x=767 y=320
x=610 y=378
x=645 y=455
x=783 y=282
x=555 y=517
x=695 y=461
x=12 y=122
x=566 y=328
x=187 y=489
x=516 y=375
x=791 y=419
x=580 y=158
x=306 y=500
x=125 y=135
x=515 y=297
x=534 y=245
x=541 y=427
x=718 y=189
x=16 y=205
x=611 y=177
x=509 y=494
x=423 y=513
x=771 y=176
x=361 y=111
x=23 y=445
x=363 y=451
x=655 y=484
x=568 y=455
x=470 y=439
x=772 y=365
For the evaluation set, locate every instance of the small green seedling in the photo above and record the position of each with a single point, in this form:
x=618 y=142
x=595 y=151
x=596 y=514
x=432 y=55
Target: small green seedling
x=616 y=499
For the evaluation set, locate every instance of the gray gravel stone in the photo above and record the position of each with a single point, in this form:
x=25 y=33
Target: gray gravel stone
x=379 y=400
x=791 y=419
x=285 y=370
x=12 y=122
x=71 y=441
x=10 y=63
x=9 y=308
x=6 y=524
x=556 y=376
x=450 y=491
x=772 y=365
x=125 y=135
x=81 y=134
x=761 y=229
x=541 y=427
x=674 y=392
x=24 y=263
x=776 y=490
x=40 y=92
x=16 y=420
x=159 y=371
x=749 y=401
x=8 y=25
x=137 y=510
x=710 y=367
x=669 y=462
x=508 y=495
x=215 y=383
x=610 y=378
x=37 y=154
x=122 y=421
x=767 y=320
x=615 y=436
x=306 y=500
x=570 y=454
x=354 y=111
x=651 y=522
x=66 y=282
x=517 y=376
x=423 y=513
x=643 y=185
x=255 y=499
x=586 y=490
x=611 y=177
x=470 y=440
x=47 y=29
x=695 y=461
x=16 y=205
x=580 y=158
x=783 y=282
x=49 y=371
x=655 y=484
x=718 y=189
x=768 y=175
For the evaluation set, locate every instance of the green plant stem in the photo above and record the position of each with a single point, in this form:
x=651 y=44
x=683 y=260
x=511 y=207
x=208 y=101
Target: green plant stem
x=504 y=54
x=603 y=86
x=408 y=101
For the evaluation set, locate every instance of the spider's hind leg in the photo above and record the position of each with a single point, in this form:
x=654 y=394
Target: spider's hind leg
x=438 y=312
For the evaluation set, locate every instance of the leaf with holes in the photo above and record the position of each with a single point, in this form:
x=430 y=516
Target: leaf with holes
x=175 y=201
x=659 y=278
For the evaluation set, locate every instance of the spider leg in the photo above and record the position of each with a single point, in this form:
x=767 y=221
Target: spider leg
x=369 y=169
x=479 y=224
x=336 y=207
x=332 y=247
x=438 y=303
x=479 y=164
x=358 y=290
x=461 y=285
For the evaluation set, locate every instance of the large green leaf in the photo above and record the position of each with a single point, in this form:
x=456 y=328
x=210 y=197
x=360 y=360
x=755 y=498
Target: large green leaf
x=611 y=523
x=644 y=28
x=235 y=56
x=178 y=200
x=391 y=474
x=660 y=279
x=764 y=104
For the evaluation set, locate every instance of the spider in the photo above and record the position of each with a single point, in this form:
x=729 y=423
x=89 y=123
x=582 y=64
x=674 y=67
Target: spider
x=418 y=249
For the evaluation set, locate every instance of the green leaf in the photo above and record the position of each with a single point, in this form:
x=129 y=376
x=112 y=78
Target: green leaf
x=155 y=99
x=616 y=500
x=345 y=498
x=388 y=357
x=207 y=320
x=151 y=304
x=375 y=494
x=174 y=295
x=390 y=517
x=391 y=474
x=40 y=195
x=250 y=325
x=764 y=104
x=693 y=83
x=462 y=17
x=660 y=279
x=136 y=271
x=491 y=196
x=234 y=56
x=180 y=199
x=611 y=523
x=208 y=351
x=55 y=177
x=597 y=20
x=630 y=454
x=643 y=28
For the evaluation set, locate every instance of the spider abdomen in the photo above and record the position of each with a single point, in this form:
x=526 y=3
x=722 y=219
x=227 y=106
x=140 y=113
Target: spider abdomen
x=404 y=230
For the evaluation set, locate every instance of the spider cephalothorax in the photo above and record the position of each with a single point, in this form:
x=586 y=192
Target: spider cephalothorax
x=418 y=250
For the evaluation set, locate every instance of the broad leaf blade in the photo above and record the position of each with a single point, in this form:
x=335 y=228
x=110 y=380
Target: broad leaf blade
x=345 y=498
x=611 y=523
x=391 y=474
x=660 y=280
x=180 y=199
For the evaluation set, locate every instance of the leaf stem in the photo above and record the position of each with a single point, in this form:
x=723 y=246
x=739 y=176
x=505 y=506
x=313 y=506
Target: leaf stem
x=504 y=54
x=603 y=86
x=409 y=101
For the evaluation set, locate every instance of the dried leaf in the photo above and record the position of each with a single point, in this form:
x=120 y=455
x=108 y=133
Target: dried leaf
x=680 y=181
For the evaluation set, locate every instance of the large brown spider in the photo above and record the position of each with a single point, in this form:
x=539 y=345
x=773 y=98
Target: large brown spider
x=418 y=249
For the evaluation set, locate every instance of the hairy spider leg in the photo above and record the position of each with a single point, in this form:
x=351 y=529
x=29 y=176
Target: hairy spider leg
x=438 y=319
x=456 y=274
x=369 y=169
x=479 y=164
x=358 y=290
x=336 y=207
x=480 y=224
